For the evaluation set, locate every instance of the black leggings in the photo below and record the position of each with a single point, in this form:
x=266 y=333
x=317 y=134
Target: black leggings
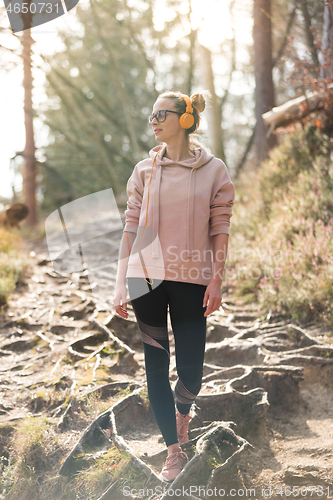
x=189 y=329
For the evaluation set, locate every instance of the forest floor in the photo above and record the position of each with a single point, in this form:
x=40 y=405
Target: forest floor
x=47 y=369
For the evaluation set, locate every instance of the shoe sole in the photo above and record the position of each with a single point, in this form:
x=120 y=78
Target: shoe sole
x=162 y=478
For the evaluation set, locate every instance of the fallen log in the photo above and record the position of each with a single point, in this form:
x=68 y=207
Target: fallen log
x=294 y=110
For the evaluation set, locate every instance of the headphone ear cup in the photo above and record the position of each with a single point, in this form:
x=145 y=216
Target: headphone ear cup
x=186 y=120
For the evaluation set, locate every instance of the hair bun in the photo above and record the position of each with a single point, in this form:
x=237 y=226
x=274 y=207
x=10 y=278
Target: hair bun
x=198 y=102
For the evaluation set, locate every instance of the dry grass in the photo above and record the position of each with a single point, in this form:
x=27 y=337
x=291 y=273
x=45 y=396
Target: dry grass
x=31 y=445
x=13 y=263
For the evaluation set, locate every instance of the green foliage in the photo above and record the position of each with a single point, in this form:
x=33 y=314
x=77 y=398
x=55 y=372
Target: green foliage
x=101 y=89
x=293 y=165
x=283 y=243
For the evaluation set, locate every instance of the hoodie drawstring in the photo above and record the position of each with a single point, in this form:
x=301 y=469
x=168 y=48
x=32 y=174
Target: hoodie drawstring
x=190 y=213
x=145 y=270
x=156 y=211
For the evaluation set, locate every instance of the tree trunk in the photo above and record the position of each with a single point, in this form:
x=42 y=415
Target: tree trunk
x=327 y=43
x=303 y=4
x=192 y=38
x=214 y=114
x=263 y=64
x=30 y=165
x=296 y=109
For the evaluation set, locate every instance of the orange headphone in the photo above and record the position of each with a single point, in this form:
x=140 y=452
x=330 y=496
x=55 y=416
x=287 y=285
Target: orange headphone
x=187 y=119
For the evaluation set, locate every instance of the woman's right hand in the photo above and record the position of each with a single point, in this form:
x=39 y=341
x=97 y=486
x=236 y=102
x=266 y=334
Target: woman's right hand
x=119 y=300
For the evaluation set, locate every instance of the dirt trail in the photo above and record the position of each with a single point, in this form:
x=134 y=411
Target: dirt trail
x=55 y=353
x=296 y=450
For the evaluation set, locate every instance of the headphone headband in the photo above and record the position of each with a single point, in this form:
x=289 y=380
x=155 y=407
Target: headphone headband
x=189 y=108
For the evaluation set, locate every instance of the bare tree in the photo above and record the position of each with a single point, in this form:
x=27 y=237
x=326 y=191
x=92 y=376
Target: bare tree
x=24 y=52
x=327 y=42
x=263 y=64
x=278 y=57
x=303 y=5
x=30 y=164
x=214 y=111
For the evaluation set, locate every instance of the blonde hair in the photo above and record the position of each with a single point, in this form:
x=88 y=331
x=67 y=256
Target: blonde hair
x=198 y=101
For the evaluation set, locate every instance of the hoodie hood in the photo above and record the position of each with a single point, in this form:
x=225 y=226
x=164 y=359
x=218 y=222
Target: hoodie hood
x=202 y=157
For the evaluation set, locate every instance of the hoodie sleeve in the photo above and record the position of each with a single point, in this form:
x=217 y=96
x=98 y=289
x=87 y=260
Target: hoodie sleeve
x=221 y=205
x=135 y=194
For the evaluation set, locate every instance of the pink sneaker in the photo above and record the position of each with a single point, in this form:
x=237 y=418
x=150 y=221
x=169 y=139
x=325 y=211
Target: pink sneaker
x=183 y=422
x=174 y=464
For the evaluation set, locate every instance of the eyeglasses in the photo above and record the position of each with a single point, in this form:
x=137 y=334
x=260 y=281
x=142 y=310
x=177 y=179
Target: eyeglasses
x=161 y=115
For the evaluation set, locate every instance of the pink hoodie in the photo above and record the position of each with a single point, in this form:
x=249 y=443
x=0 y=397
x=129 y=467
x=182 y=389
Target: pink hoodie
x=189 y=202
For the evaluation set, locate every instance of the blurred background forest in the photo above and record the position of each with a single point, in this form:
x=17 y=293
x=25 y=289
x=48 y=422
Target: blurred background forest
x=101 y=86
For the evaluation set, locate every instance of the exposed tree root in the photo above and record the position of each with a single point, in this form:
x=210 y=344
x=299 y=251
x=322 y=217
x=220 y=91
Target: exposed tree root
x=110 y=490
x=78 y=349
x=281 y=382
x=241 y=408
x=112 y=337
x=133 y=410
x=312 y=355
x=128 y=361
x=108 y=420
x=64 y=417
x=109 y=390
x=239 y=394
x=253 y=365
x=212 y=440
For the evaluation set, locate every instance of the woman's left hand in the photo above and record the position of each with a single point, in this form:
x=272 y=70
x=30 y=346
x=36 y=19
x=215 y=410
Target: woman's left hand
x=213 y=296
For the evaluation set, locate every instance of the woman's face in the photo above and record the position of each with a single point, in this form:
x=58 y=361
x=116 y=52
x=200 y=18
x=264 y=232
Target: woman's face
x=168 y=130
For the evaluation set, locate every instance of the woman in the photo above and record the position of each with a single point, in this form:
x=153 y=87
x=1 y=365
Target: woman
x=173 y=252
